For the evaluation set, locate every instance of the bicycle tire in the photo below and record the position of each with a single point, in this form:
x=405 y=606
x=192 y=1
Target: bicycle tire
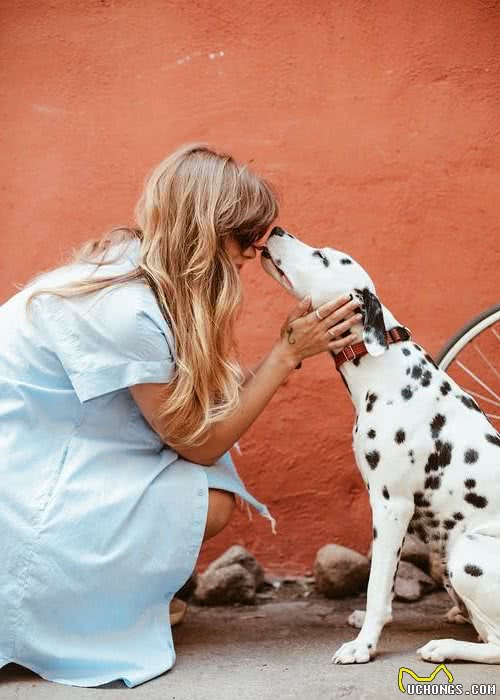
x=467 y=333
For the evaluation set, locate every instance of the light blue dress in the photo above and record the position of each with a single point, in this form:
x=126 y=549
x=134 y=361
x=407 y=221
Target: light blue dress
x=100 y=521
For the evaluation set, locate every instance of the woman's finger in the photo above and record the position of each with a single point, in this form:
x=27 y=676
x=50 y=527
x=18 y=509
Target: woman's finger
x=340 y=343
x=340 y=313
x=336 y=329
x=326 y=309
x=301 y=309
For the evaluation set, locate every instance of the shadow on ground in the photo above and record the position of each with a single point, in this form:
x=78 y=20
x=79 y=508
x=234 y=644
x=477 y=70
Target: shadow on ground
x=280 y=649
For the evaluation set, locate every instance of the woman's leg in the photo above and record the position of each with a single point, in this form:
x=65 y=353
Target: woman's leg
x=220 y=508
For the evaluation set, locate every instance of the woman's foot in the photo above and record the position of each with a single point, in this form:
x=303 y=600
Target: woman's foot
x=177 y=611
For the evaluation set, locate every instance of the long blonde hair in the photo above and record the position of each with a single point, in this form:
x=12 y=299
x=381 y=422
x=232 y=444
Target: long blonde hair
x=191 y=202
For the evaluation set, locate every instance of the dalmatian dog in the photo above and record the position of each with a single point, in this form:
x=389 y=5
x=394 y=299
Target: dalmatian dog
x=427 y=454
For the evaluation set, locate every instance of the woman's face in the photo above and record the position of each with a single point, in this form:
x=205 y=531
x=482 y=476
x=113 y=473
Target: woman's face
x=239 y=254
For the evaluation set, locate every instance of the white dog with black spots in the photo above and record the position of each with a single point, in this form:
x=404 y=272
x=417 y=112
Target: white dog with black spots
x=428 y=455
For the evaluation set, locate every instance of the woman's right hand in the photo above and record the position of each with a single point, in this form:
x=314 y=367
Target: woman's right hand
x=304 y=334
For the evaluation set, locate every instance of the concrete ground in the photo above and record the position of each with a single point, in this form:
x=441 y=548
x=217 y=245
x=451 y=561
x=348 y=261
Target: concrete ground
x=279 y=649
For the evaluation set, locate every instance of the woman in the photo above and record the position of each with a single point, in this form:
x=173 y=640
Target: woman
x=120 y=397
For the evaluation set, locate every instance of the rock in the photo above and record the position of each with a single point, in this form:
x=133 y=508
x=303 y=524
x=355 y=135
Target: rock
x=225 y=586
x=416 y=552
x=436 y=568
x=239 y=555
x=411 y=583
x=340 y=571
x=234 y=577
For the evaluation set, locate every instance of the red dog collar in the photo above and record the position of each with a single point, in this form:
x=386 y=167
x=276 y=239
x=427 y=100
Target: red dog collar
x=351 y=352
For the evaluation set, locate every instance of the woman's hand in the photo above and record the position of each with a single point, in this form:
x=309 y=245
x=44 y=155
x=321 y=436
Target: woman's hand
x=307 y=332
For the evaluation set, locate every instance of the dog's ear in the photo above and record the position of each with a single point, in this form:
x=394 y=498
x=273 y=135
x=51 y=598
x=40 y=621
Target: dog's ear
x=373 y=322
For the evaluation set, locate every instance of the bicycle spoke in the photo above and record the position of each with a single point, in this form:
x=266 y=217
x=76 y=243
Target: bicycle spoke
x=485 y=359
x=479 y=381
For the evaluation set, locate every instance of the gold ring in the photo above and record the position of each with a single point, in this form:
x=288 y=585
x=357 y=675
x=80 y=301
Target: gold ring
x=318 y=315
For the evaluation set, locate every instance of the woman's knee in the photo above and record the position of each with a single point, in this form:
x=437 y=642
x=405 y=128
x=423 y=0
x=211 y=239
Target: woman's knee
x=220 y=508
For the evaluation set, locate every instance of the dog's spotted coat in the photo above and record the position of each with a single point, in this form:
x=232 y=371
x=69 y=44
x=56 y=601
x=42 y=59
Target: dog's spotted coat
x=427 y=453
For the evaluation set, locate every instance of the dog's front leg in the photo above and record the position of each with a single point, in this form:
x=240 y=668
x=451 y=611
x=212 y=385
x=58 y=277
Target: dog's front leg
x=390 y=521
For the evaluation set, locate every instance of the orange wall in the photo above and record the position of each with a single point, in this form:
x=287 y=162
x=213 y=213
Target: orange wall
x=379 y=123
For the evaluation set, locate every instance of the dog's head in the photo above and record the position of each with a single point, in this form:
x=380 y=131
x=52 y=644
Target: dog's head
x=325 y=274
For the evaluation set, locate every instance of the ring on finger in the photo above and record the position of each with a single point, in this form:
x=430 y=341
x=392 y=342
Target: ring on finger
x=318 y=315
x=331 y=332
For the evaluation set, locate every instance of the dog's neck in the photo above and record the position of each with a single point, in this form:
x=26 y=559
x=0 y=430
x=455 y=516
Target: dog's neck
x=381 y=375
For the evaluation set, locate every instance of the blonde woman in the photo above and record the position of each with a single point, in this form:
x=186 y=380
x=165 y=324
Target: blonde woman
x=120 y=398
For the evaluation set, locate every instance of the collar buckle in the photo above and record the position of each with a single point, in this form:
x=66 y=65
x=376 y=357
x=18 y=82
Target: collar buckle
x=346 y=358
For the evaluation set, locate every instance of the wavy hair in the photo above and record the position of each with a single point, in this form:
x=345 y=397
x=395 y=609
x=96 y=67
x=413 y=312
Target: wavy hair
x=191 y=201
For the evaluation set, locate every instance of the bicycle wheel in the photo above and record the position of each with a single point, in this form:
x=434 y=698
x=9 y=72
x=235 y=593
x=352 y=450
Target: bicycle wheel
x=471 y=358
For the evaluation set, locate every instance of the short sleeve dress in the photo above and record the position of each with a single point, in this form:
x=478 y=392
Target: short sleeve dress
x=100 y=521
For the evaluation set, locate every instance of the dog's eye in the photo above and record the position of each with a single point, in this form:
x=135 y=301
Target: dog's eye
x=323 y=258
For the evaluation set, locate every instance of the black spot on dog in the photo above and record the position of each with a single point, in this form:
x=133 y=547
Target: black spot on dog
x=400 y=436
x=407 y=370
x=385 y=493
x=432 y=482
x=345 y=261
x=470 y=456
x=416 y=372
x=473 y=570
x=469 y=402
x=426 y=379
x=437 y=424
x=407 y=393
x=449 y=524
x=458 y=516
x=429 y=513
x=494 y=439
x=322 y=257
x=476 y=500
x=445 y=388
x=420 y=501
x=369 y=646
x=434 y=522
x=374 y=533
x=370 y=401
x=406 y=352
x=410 y=455
x=432 y=462
x=445 y=454
x=410 y=529
x=436 y=536
x=470 y=483
x=371 y=433
x=356 y=361
x=417 y=347
x=373 y=458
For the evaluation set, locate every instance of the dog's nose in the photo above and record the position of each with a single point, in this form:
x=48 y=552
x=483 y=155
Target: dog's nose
x=277 y=231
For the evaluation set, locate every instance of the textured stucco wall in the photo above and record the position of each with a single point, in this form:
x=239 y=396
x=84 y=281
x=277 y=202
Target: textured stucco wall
x=378 y=122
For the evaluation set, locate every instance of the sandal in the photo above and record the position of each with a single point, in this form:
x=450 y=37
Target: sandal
x=177 y=611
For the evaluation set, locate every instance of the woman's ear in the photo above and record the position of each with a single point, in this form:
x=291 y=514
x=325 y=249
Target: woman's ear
x=373 y=322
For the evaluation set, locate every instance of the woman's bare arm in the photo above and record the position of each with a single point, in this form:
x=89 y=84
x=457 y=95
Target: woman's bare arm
x=309 y=338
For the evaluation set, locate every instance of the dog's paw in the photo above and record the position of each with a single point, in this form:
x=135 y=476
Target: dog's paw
x=354 y=652
x=438 y=650
x=356 y=618
x=456 y=616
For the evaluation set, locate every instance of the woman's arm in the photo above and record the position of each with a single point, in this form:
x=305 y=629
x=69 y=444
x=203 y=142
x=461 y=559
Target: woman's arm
x=302 y=336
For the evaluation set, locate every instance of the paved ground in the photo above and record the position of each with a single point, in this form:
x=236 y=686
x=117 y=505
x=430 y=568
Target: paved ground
x=278 y=650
